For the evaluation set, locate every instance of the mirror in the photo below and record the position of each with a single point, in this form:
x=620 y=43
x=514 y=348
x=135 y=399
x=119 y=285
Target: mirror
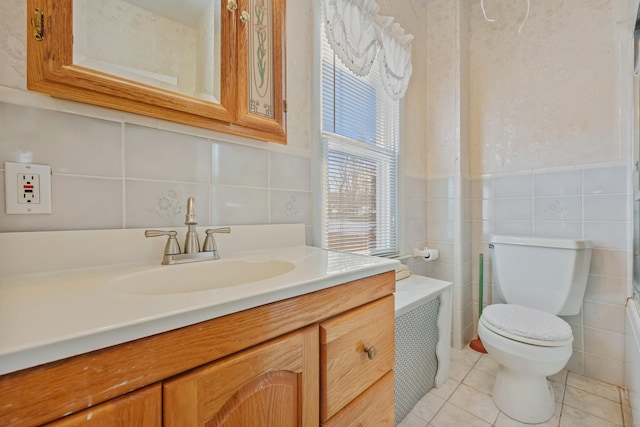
x=162 y=43
x=188 y=61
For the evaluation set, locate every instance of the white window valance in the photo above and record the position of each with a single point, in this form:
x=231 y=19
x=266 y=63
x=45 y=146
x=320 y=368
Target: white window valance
x=395 y=64
x=357 y=34
x=350 y=32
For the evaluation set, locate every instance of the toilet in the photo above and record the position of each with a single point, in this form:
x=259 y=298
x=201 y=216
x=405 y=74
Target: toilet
x=535 y=280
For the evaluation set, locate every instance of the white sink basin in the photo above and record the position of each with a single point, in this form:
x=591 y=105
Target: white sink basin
x=198 y=276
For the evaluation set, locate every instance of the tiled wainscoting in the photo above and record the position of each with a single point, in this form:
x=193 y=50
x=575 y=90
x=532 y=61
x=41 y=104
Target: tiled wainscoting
x=114 y=174
x=591 y=202
x=582 y=203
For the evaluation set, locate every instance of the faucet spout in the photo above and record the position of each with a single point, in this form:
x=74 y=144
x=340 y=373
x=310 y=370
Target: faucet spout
x=191 y=241
x=191 y=212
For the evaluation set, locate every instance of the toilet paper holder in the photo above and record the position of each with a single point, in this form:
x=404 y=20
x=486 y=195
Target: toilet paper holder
x=427 y=254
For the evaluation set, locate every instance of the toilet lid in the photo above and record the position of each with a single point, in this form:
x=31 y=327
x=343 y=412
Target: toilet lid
x=527 y=325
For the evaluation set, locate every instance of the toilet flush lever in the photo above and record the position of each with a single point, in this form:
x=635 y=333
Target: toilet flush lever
x=490 y=245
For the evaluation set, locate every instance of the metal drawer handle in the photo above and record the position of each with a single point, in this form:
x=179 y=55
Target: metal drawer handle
x=371 y=352
x=232 y=5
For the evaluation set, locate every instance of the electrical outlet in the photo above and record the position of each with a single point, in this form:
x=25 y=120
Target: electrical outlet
x=27 y=188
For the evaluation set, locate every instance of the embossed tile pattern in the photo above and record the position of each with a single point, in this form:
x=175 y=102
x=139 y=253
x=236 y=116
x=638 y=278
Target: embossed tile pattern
x=465 y=399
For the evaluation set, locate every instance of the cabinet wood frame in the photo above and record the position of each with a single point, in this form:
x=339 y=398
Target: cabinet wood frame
x=141 y=408
x=50 y=70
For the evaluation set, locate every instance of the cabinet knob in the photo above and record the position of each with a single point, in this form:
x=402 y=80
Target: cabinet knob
x=244 y=16
x=371 y=352
x=232 y=5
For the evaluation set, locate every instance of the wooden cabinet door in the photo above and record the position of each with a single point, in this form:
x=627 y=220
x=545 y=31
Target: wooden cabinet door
x=274 y=384
x=346 y=368
x=261 y=62
x=142 y=408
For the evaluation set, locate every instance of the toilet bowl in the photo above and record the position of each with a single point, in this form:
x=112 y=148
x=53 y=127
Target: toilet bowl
x=529 y=345
x=535 y=280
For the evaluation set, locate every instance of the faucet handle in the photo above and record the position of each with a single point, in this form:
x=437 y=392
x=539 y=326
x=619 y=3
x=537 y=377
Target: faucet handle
x=225 y=230
x=172 y=247
x=210 y=242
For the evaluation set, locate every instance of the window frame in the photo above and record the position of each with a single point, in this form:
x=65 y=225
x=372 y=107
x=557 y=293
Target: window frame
x=386 y=156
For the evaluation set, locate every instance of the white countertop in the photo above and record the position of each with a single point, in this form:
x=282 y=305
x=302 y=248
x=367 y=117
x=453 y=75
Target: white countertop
x=52 y=315
x=415 y=290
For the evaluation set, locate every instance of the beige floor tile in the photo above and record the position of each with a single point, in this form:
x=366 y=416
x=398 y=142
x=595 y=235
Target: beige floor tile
x=558 y=390
x=465 y=399
x=481 y=380
x=452 y=416
x=505 y=421
x=593 y=404
x=428 y=406
x=590 y=385
x=487 y=364
x=572 y=417
x=459 y=369
x=412 y=420
x=475 y=402
x=465 y=355
x=560 y=377
x=627 y=416
x=446 y=390
x=624 y=397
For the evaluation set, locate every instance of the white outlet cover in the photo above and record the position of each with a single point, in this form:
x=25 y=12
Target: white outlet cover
x=11 y=172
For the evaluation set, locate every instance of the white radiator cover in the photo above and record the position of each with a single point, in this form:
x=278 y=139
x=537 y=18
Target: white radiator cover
x=423 y=337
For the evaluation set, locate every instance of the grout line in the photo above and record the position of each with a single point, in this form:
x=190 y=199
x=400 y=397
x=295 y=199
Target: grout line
x=124 y=174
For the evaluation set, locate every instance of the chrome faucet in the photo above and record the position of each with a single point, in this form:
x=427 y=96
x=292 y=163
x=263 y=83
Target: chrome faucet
x=191 y=242
x=192 y=252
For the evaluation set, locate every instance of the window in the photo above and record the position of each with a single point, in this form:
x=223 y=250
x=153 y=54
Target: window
x=360 y=137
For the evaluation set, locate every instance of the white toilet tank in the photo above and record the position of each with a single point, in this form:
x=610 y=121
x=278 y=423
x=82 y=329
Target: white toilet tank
x=543 y=273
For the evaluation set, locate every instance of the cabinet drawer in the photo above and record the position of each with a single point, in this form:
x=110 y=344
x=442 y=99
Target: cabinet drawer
x=346 y=369
x=373 y=408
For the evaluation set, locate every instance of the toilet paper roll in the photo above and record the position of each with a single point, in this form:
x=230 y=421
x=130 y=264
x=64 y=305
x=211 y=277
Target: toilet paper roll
x=427 y=254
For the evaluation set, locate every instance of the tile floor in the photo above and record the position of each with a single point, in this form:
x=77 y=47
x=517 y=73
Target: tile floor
x=465 y=399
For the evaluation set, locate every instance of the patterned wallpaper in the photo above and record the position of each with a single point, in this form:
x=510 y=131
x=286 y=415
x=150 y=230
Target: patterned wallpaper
x=442 y=88
x=13 y=47
x=548 y=96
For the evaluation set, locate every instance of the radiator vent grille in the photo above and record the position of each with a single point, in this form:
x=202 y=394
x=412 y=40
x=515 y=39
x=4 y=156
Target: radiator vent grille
x=416 y=362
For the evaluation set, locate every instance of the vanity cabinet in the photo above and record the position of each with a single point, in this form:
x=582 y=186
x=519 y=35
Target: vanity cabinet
x=356 y=352
x=228 y=370
x=219 y=66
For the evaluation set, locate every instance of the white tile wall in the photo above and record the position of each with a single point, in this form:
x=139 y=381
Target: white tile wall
x=416 y=214
x=230 y=164
x=166 y=156
x=591 y=203
x=449 y=226
x=290 y=172
x=71 y=144
x=239 y=205
x=113 y=174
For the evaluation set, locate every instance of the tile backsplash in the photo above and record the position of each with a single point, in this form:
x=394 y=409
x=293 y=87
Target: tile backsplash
x=579 y=203
x=114 y=174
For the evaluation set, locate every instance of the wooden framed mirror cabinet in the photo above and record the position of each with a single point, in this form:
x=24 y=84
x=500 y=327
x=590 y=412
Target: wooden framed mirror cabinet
x=215 y=64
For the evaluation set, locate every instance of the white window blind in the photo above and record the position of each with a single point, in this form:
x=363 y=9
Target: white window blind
x=360 y=137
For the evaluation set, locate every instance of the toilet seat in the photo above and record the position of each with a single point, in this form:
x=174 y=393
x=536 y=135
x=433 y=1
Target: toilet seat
x=527 y=325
